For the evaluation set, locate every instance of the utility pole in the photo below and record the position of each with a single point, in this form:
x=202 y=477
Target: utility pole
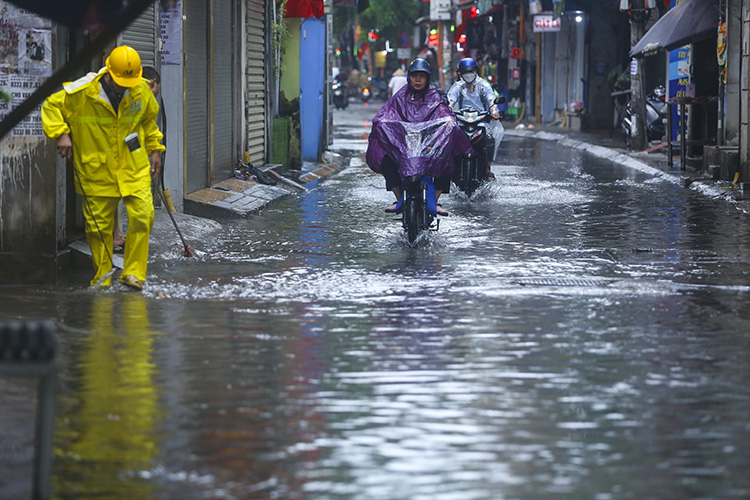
x=538 y=81
x=745 y=101
x=637 y=103
x=441 y=77
x=639 y=12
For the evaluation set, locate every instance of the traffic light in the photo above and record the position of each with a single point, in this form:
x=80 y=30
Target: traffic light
x=432 y=41
x=373 y=36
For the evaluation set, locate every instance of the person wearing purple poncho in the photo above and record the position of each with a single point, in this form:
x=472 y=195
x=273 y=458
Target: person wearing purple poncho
x=416 y=133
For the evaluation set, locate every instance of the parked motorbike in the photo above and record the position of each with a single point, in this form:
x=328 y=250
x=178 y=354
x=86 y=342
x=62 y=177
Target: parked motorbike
x=378 y=89
x=471 y=168
x=340 y=91
x=375 y=89
x=656 y=116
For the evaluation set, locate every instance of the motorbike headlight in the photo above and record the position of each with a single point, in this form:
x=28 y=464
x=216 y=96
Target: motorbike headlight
x=471 y=116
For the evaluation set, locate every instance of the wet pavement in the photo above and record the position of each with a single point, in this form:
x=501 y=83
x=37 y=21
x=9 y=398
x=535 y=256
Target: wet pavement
x=577 y=330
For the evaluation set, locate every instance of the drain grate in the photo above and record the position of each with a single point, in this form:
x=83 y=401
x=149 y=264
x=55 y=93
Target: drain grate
x=573 y=282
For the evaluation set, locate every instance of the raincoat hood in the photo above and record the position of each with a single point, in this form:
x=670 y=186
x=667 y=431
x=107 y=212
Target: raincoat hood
x=418 y=132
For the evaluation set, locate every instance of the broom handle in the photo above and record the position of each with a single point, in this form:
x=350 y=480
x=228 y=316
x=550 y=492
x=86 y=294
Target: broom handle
x=172 y=217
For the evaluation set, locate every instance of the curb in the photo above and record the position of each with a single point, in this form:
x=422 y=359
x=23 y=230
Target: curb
x=330 y=165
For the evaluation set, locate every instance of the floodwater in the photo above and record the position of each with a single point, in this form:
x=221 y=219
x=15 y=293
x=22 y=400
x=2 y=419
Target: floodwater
x=577 y=331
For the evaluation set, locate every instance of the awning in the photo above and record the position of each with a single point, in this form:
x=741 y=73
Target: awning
x=689 y=22
x=304 y=8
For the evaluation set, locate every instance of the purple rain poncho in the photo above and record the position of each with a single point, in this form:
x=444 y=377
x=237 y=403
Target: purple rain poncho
x=419 y=134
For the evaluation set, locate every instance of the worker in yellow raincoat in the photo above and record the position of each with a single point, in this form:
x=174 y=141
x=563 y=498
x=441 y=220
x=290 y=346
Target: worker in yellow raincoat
x=106 y=122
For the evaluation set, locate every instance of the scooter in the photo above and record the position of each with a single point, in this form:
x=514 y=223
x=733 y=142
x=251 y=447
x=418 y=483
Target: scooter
x=420 y=158
x=656 y=116
x=365 y=94
x=379 y=89
x=471 y=168
x=417 y=206
x=340 y=99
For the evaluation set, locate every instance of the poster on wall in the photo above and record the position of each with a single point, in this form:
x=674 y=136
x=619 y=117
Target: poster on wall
x=171 y=35
x=8 y=49
x=21 y=87
x=35 y=52
x=21 y=18
x=25 y=63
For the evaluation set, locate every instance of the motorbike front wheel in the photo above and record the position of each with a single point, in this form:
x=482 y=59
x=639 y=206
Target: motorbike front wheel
x=468 y=178
x=412 y=214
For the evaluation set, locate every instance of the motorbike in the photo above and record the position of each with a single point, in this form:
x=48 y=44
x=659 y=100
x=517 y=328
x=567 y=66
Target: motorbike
x=656 y=116
x=417 y=206
x=379 y=89
x=423 y=144
x=471 y=168
x=376 y=89
x=340 y=99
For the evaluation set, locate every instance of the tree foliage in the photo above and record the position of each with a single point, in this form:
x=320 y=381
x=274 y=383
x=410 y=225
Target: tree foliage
x=389 y=17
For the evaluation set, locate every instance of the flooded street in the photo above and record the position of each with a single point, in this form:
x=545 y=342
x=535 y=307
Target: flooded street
x=578 y=330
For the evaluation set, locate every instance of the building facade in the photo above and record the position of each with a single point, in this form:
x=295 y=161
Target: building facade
x=214 y=60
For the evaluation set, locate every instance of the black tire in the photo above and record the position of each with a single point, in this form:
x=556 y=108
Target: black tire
x=412 y=220
x=471 y=177
x=460 y=176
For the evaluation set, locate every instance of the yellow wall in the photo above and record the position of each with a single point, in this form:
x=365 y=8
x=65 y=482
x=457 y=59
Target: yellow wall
x=290 y=63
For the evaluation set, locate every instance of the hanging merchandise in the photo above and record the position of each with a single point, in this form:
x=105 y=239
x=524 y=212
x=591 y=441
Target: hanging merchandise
x=514 y=74
x=475 y=35
x=721 y=44
x=558 y=7
x=489 y=72
x=721 y=50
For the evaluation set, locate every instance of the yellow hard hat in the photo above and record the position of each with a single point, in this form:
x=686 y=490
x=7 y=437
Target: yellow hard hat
x=124 y=64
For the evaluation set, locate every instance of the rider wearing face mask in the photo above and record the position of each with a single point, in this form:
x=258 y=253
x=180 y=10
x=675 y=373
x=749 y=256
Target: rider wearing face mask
x=474 y=92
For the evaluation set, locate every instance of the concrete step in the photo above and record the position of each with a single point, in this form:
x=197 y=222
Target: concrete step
x=232 y=198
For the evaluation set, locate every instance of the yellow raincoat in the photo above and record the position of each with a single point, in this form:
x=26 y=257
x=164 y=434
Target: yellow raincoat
x=105 y=166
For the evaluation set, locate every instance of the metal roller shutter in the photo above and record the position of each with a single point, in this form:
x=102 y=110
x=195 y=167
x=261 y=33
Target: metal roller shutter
x=256 y=81
x=196 y=91
x=224 y=82
x=142 y=35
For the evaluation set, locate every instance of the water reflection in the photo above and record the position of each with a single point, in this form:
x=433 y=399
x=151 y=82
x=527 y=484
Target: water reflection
x=575 y=332
x=110 y=414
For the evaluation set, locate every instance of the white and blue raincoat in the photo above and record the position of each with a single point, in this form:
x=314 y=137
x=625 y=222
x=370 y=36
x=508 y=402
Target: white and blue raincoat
x=482 y=98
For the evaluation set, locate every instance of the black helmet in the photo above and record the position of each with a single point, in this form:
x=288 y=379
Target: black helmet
x=420 y=64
